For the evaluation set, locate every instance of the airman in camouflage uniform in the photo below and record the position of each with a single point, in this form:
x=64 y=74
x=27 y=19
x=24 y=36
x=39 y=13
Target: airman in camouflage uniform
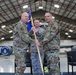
x=36 y=67
x=20 y=43
x=52 y=45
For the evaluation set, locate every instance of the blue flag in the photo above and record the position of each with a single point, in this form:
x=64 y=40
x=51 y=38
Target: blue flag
x=30 y=18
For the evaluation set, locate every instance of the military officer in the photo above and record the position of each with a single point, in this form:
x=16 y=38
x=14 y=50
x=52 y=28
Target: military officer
x=52 y=44
x=36 y=67
x=20 y=43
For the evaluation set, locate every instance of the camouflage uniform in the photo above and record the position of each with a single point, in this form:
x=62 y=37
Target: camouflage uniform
x=20 y=45
x=36 y=68
x=52 y=46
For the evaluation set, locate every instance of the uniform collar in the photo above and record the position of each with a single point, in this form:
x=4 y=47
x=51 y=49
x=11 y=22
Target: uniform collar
x=51 y=23
x=22 y=23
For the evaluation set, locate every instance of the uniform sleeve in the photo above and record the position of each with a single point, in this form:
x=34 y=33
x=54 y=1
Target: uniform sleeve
x=31 y=34
x=50 y=33
x=23 y=33
x=41 y=34
x=15 y=31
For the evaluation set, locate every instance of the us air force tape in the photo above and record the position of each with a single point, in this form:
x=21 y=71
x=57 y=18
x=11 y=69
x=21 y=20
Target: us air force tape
x=5 y=51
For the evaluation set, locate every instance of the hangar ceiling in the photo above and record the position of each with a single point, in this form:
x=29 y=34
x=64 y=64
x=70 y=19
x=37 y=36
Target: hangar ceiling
x=64 y=12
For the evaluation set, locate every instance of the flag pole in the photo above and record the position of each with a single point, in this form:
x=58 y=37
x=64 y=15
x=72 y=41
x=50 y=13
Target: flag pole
x=38 y=49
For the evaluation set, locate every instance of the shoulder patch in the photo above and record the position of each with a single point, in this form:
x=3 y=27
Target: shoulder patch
x=54 y=28
x=21 y=28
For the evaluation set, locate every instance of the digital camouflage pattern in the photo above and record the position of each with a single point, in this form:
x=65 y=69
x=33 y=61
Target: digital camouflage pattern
x=52 y=46
x=20 y=45
x=39 y=35
x=36 y=68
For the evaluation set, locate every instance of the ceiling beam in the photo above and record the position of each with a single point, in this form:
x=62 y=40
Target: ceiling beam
x=40 y=13
x=12 y=21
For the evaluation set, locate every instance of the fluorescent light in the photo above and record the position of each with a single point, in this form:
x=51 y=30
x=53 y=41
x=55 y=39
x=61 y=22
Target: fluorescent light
x=25 y=6
x=70 y=30
x=2 y=38
x=40 y=7
x=66 y=33
x=11 y=37
x=3 y=26
x=53 y=17
x=69 y=36
x=10 y=31
x=56 y=6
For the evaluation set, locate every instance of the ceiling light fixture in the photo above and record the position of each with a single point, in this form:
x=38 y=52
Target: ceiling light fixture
x=3 y=26
x=40 y=7
x=70 y=30
x=66 y=33
x=25 y=6
x=56 y=6
x=11 y=37
x=10 y=31
x=53 y=17
x=69 y=36
x=2 y=38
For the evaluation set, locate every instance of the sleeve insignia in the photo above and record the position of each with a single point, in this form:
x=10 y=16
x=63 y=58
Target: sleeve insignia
x=21 y=28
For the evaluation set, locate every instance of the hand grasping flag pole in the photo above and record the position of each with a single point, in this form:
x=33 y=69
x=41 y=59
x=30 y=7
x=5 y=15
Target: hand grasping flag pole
x=30 y=24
